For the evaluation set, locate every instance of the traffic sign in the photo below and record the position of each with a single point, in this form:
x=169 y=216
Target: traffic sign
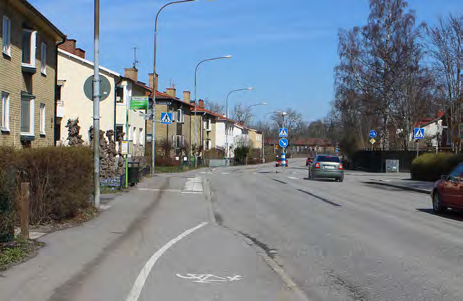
x=163 y=103
x=105 y=88
x=372 y=141
x=373 y=134
x=139 y=103
x=418 y=133
x=283 y=142
x=166 y=118
x=283 y=132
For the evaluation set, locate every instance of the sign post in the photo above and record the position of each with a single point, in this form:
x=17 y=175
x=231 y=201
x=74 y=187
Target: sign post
x=418 y=134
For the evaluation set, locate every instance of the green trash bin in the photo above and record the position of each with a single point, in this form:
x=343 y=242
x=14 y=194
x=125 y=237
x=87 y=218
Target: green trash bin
x=133 y=173
x=6 y=206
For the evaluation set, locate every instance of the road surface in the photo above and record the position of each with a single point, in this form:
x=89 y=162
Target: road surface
x=251 y=233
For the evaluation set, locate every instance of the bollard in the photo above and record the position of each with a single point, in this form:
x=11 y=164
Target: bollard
x=25 y=209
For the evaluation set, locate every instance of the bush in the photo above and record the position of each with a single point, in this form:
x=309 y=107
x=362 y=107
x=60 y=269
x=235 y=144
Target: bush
x=61 y=180
x=430 y=167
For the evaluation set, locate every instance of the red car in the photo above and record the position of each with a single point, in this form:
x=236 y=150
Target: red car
x=448 y=191
x=309 y=161
x=279 y=162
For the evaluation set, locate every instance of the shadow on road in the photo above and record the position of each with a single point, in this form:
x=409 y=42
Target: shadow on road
x=455 y=215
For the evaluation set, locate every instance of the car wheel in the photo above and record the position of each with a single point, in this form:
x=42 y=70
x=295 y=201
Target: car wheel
x=341 y=179
x=437 y=206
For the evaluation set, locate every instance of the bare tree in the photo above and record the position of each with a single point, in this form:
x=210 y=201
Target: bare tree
x=374 y=60
x=446 y=49
x=242 y=114
x=292 y=121
x=214 y=107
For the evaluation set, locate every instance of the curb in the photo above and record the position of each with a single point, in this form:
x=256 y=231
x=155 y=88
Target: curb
x=424 y=191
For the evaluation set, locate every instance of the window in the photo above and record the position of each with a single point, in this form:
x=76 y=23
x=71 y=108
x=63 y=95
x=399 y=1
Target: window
x=328 y=159
x=6 y=47
x=180 y=117
x=42 y=119
x=207 y=125
x=5 y=112
x=120 y=95
x=207 y=144
x=178 y=141
x=28 y=48
x=27 y=115
x=134 y=131
x=43 y=58
x=119 y=130
x=141 y=137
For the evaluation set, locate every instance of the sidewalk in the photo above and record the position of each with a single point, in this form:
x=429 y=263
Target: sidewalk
x=405 y=184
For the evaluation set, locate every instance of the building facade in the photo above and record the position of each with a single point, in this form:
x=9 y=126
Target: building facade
x=27 y=75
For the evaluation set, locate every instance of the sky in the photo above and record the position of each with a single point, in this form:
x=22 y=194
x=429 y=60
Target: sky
x=285 y=49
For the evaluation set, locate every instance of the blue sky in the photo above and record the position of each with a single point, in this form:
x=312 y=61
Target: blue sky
x=286 y=49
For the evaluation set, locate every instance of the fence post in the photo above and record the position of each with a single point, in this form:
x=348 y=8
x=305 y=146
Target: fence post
x=25 y=209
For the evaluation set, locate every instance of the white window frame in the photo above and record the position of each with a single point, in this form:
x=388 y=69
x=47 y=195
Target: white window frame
x=43 y=58
x=134 y=135
x=141 y=136
x=33 y=44
x=5 y=112
x=120 y=100
x=31 y=119
x=43 y=119
x=180 y=116
x=6 y=37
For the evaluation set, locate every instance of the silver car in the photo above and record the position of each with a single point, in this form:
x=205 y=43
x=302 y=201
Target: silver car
x=326 y=166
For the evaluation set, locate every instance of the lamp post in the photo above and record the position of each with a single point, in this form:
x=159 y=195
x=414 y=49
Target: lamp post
x=195 y=123
x=226 y=108
x=153 y=134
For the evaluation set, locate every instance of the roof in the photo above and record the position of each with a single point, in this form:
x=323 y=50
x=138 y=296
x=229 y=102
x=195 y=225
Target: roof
x=161 y=95
x=87 y=62
x=33 y=10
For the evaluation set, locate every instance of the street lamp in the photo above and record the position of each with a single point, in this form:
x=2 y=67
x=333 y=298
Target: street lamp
x=153 y=134
x=196 y=76
x=226 y=106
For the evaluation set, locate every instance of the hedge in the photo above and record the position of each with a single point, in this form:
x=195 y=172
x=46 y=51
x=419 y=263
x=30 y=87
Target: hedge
x=430 y=167
x=61 y=180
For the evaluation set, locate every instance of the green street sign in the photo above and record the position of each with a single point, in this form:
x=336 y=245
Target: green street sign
x=139 y=103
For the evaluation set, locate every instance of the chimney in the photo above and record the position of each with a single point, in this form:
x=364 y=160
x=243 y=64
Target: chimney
x=440 y=113
x=186 y=96
x=201 y=104
x=69 y=46
x=131 y=73
x=171 y=92
x=153 y=82
x=80 y=53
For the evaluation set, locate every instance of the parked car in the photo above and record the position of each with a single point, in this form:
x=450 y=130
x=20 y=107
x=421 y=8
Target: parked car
x=325 y=166
x=448 y=191
x=309 y=161
x=279 y=162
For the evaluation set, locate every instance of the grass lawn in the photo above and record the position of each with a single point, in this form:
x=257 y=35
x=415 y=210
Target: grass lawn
x=17 y=251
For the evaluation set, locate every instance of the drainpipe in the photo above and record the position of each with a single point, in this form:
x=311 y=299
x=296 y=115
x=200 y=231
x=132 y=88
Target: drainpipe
x=56 y=96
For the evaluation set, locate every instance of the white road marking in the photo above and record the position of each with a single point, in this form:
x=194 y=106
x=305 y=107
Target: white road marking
x=144 y=273
x=157 y=189
x=294 y=178
x=209 y=278
x=225 y=173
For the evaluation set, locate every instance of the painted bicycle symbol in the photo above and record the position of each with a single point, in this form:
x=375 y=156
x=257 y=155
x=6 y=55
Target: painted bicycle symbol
x=209 y=278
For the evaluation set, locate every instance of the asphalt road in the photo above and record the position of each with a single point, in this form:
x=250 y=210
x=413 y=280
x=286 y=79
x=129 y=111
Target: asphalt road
x=344 y=241
x=254 y=234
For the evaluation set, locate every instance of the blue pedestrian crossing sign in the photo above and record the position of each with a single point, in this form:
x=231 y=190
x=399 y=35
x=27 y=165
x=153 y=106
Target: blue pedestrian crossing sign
x=283 y=142
x=418 y=133
x=373 y=134
x=283 y=132
x=166 y=118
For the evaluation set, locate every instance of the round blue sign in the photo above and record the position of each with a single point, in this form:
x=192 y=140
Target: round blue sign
x=283 y=142
x=373 y=134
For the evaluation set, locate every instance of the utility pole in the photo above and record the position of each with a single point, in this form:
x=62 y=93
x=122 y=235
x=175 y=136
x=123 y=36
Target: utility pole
x=96 y=105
